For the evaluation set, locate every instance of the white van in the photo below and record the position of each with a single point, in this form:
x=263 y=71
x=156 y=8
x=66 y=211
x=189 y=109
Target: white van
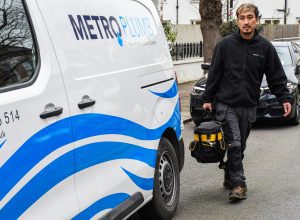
x=90 y=122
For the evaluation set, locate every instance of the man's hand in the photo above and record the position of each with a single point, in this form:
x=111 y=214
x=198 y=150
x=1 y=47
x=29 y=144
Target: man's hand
x=287 y=109
x=207 y=106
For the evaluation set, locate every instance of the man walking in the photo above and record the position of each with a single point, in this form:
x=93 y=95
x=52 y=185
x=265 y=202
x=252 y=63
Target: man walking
x=239 y=62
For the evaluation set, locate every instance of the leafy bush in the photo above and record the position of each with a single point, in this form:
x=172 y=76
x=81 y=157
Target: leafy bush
x=229 y=27
x=169 y=32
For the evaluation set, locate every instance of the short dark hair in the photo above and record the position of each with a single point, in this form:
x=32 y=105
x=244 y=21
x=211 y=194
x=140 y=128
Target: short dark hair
x=247 y=7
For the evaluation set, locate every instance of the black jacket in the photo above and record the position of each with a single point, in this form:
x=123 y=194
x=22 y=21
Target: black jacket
x=237 y=69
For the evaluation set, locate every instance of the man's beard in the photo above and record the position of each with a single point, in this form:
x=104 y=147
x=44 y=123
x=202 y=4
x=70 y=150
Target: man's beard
x=248 y=32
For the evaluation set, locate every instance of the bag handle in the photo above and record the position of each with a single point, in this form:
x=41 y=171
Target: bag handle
x=210 y=113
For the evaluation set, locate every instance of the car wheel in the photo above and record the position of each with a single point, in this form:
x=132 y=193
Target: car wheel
x=296 y=118
x=166 y=184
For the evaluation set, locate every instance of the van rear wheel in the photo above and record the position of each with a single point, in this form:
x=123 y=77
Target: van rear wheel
x=166 y=184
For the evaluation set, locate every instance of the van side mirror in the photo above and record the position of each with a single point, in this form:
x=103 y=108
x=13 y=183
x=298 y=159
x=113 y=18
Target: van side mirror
x=205 y=66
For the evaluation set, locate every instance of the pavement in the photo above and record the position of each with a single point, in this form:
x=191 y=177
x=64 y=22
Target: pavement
x=184 y=94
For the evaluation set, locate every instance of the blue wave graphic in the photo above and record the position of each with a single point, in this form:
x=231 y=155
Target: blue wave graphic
x=1 y=145
x=143 y=183
x=120 y=40
x=63 y=167
x=108 y=202
x=59 y=134
x=33 y=151
x=172 y=92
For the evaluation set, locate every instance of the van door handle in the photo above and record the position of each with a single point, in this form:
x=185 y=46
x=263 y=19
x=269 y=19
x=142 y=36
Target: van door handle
x=48 y=114
x=86 y=103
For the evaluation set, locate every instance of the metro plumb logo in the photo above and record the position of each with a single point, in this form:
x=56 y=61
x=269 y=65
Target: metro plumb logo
x=87 y=27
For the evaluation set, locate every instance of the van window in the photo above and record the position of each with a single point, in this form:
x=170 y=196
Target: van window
x=17 y=50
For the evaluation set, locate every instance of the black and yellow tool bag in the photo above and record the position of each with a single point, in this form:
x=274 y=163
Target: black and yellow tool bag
x=208 y=145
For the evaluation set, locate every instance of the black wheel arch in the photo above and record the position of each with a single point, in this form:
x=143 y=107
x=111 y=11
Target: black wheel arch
x=178 y=145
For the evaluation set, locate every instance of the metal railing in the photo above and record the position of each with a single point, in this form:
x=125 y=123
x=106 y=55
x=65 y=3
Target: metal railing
x=180 y=51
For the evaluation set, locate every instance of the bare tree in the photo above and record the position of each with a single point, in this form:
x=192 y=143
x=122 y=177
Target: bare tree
x=211 y=19
x=14 y=29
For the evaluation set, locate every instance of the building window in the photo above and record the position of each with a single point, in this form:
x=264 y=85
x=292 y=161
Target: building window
x=267 y=21
x=272 y=21
x=195 y=22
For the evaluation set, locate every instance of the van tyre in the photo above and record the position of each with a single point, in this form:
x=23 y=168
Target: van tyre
x=166 y=184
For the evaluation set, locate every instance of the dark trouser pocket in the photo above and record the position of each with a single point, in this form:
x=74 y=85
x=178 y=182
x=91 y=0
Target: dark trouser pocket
x=221 y=110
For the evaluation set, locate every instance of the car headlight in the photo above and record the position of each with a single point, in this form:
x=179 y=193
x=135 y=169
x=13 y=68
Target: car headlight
x=291 y=87
x=197 y=90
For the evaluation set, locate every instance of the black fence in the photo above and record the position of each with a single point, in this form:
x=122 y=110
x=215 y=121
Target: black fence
x=180 y=51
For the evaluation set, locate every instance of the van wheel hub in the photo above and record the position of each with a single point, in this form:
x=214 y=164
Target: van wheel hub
x=166 y=178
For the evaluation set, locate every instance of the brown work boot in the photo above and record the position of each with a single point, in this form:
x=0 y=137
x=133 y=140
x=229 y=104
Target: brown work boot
x=238 y=193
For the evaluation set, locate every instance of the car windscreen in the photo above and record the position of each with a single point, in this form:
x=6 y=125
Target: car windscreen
x=284 y=55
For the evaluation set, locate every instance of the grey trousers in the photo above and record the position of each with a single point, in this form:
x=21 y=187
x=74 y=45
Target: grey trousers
x=237 y=122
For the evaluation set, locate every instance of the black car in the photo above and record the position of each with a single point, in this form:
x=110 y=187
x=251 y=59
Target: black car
x=268 y=107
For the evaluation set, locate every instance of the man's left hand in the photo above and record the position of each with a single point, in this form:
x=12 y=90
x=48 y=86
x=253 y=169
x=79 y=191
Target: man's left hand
x=287 y=109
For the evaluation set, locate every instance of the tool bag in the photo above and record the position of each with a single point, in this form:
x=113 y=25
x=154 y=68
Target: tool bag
x=208 y=145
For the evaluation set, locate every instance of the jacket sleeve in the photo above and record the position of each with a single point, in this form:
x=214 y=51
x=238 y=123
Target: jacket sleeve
x=276 y=77
x=214 y=75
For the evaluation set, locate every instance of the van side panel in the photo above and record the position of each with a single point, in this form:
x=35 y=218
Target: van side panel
x=113 y=55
